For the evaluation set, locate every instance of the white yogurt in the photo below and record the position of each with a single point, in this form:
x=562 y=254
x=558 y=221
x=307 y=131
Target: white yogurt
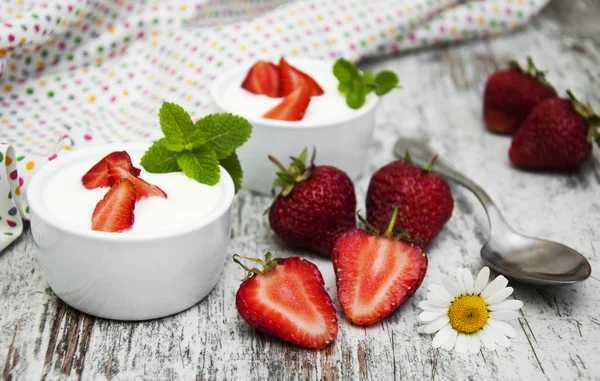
x=187 y=200
x=330 y=105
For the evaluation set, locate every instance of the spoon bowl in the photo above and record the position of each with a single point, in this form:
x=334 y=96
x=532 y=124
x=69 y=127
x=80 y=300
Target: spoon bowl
x=517 y=256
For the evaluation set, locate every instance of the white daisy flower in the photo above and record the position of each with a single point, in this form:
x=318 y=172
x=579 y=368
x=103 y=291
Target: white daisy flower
x=466 y=313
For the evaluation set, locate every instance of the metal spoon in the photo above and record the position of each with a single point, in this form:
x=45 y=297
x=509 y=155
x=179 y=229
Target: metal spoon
x=526 y=259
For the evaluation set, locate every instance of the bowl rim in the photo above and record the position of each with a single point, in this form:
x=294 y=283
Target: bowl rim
x=39 y=209
x=222 y=82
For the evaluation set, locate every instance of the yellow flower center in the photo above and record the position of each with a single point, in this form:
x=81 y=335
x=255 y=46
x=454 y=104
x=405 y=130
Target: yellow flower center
x=468 y=313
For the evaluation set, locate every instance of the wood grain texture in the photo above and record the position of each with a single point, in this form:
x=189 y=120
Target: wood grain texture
x=559 y=328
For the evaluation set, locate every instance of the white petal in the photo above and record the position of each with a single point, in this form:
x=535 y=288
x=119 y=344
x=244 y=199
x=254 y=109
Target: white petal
x=497 y=284
x=451 y=286
x=426 y=305
x=427 y=316
x=441 y=290
x=504 y=315
x=460 y=282
x=434 y=326
x=468 y=281
x=486 y=338
x=481 y=281
x=503 y=327
x=449 y=344
x=462 y=343
x=474 y=344
x=499 y=295
x=442 y=336
x=507 y=305
x=498 y=336
x=437 y=300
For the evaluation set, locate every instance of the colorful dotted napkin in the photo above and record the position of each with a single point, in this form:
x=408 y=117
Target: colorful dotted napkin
x=77 y=72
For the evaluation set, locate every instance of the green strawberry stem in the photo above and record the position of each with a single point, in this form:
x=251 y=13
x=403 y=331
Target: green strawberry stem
x=370 y=228
x=390 y=228
x=298 y=171
x=532 y=71
x=431 y=164
x=592 y=119
x=268 y=264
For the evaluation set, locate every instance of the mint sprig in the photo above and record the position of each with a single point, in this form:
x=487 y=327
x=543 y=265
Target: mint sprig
x=356 y=85
x=198 y=149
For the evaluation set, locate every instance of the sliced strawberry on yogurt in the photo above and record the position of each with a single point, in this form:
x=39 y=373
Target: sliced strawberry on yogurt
x=143 y=189
x=97 y=176
x=292 y=79
x=114 y=213
x=292 y=107
x=262 y=78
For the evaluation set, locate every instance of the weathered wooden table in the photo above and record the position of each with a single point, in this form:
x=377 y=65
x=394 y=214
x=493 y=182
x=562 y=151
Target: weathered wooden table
x=559 y=328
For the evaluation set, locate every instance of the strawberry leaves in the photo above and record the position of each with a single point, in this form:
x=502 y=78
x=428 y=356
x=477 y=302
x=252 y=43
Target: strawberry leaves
x=356 y=85
x=198 y=149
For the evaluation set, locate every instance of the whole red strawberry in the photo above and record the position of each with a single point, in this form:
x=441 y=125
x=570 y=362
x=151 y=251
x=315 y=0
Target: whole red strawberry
x=511 y=94
x=375 y=273
x=287 y=299
x=424 y=200
x=315 y=206
x=557 y=135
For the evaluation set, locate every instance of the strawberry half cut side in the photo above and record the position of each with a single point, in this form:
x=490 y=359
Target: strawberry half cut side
x=114 y=213
x=97 y=176
x=376 y=273
x=292 y=79
x=262 y=78
x=143 y=189
x=288 y=300
x=292 y=107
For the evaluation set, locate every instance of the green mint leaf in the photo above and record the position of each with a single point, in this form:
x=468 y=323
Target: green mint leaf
x=232 y=164
x=225 y=132
x=344 y=87
x=386 y=81
x=358 y=96
x=369 y=78
x=175 y=122
x=345 y=71
x=201 y=165
x=197 y=138
x=158 y=159
x=172 y=144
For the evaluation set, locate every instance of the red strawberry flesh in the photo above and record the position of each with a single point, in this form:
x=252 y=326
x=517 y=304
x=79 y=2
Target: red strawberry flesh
x=291 y=303
x=97 y=176
x=375 y=274
x=114 y=213
x=263 y=78
x=292 y=79
x=143 y=189
x=292 y=107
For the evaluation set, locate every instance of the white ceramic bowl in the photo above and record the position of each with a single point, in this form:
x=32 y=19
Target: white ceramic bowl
x=129 y=277
x=341 y=141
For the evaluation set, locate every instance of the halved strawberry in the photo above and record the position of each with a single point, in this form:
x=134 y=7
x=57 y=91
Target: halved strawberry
x=375 y=274
x=143 y=189
x=262 y=78
x=114 y=213
x=97 y=176
x=287 y=299
x=292 y=107
x=292 y=79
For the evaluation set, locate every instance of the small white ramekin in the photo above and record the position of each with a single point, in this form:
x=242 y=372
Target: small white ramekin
x=342 y=142
x=127 y=277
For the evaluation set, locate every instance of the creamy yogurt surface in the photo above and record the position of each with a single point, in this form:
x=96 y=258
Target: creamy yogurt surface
x=187 y=200
x=330 y=105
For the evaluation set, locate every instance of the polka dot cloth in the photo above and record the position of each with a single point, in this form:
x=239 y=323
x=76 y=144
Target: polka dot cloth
x=80 y=72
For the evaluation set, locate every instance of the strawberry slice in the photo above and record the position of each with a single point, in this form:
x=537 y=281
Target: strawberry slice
x=292 y=79
x=288 y=300
x=375 y=274
x=292 y=107
x=114 y=213
x=262 y=78
x=143 y=189
x=97 y=176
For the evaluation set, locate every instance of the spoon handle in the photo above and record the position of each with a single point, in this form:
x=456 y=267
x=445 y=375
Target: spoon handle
x=422 y=154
